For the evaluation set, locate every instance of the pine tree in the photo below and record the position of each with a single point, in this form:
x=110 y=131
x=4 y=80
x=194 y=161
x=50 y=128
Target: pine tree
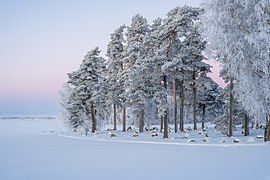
x=152 y=66
x=86 y=82
x=209 y=105
x=237 y=113
x=133 y=55
x=115 y=50
x=182 y=50
x=75 y=112
x=64 y=94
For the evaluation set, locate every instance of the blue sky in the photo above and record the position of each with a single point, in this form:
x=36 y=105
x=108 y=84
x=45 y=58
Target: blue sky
x=43 y=40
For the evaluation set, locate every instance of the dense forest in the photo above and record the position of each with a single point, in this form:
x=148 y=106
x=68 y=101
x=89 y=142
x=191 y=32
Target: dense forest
x=157 y=74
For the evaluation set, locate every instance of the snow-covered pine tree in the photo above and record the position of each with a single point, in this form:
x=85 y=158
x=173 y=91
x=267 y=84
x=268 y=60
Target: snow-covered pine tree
x=168 y=51
x=228 y=78
x=86 y=84
x=133 y=55
x=64 y=95
x=101 y=95
x=77 y=116
x=208 y=102
x=152 y=67
x=70 y=108
x=143 y=88
x=181 y=49
x=194 y=45
x=222 y=122
x=238 y=114
x=115 y=67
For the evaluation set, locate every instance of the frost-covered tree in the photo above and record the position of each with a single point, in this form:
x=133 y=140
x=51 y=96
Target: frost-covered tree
x=222 y=122
x=208 y=102
x=87 y=84
x=238 y=114
x=152 y=67
x=238 y=32
x=181 y=51
x=101 y=94
x=115 y=67
x=133 y=55
x=64 y=95
x=70 y=108
x=193 y=57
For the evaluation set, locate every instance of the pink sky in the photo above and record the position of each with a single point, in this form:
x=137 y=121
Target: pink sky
x=215 y=73
x=41 y=41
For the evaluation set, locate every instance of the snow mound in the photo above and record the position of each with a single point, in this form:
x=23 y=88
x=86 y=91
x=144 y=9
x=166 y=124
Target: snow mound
x=259 y=136
x=186 y=135
x=191 y=140
x=112 y=134
x=236 y=140
x=205 y=140
x=251 y=140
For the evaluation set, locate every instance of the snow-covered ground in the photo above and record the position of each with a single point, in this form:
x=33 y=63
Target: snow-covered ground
x=44 y=149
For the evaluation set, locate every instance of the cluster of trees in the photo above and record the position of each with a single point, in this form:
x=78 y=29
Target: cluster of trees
x=150 y=70
x=238 y=33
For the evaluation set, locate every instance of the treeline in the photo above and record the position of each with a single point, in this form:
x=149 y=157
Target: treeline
x=153 y=74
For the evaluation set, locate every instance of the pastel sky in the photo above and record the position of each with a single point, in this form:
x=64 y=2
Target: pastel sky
x=42 y=40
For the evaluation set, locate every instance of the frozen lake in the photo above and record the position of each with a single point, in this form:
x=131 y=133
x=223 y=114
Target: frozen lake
x=30 y=151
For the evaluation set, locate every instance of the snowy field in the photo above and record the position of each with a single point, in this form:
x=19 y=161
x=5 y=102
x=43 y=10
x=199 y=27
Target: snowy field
x=44 y=149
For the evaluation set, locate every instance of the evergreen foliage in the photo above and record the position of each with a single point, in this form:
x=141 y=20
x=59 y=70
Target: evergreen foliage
x=151 y=68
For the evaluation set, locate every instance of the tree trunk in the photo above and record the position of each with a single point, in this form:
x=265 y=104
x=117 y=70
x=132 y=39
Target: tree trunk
x=175 y=102
x=267 y=129
x=230 y=133
x=161 y=124
x=203 y=115
x=246 y=125
x=141 y=120
x=114 y=116
x=194 y=102
x=256 y=123
x=94 y=124
x=182 y=105
x=124 y=114
x=267 y=132
x=165 y=135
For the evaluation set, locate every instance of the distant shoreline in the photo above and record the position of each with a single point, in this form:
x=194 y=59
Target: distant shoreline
x=27 y=117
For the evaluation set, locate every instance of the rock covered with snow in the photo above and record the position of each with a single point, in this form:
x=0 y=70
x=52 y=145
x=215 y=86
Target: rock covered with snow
x=236 y=140
x=251 y=140
x=191 y=140
x=206 y=140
